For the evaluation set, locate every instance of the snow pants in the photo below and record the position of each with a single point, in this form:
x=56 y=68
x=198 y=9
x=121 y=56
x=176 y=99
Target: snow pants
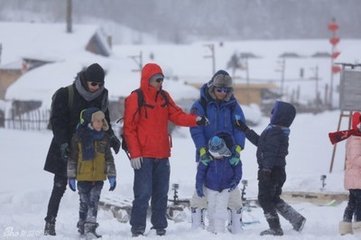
x=217 y=209
x=89 y=194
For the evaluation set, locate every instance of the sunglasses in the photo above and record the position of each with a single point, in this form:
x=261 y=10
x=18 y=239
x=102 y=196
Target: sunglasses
x=94 y=84
x=158 y=80
x=223 y=89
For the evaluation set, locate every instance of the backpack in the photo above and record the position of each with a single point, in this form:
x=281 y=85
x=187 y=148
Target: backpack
x=141 y=103
x=70 y=89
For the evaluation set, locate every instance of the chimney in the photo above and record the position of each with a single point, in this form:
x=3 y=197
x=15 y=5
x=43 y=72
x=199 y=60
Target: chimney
x=69 y=22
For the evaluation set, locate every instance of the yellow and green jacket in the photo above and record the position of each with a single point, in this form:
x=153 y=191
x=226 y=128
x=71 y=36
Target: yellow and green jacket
x=97 y=169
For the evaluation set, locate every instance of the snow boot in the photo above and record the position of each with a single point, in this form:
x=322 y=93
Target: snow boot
x=235 y=220
x=80 y=226
x=90 y=230
x=290 y=214
x=356 y=228
x=49 y=226
x=345 y=228
x=274 y=224
x=160 y=231
x=197 y=218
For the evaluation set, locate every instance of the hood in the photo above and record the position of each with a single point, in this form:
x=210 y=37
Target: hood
x=356 y=120
x=148 y=71
x=283 y=114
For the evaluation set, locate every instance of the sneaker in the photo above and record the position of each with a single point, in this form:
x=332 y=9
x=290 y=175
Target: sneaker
x=299 y=225
x=273 y=232
x=49 y=229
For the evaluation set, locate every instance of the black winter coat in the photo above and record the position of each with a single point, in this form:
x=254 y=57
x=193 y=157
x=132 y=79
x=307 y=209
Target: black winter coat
x=64 y=121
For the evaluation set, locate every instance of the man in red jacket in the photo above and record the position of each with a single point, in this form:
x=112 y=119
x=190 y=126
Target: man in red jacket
x=148 y=141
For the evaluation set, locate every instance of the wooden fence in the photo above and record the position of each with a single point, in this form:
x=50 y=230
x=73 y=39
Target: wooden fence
x=34 y=120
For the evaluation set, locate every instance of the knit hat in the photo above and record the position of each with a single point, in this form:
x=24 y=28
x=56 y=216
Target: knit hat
x=94 y=73
x=217 y=148
x=88 y=115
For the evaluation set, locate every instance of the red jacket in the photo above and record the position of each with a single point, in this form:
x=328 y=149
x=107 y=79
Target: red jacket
x=146 y=129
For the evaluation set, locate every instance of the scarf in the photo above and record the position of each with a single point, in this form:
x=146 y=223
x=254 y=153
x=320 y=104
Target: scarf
x=88 y=96
x=87 y=137
x=339 y=136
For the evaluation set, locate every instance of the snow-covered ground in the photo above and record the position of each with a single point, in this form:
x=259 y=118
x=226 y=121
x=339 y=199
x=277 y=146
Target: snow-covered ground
x=25 y=187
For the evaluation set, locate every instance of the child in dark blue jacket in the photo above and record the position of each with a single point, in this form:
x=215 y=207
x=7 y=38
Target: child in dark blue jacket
x=272 y=149
x=219 y=176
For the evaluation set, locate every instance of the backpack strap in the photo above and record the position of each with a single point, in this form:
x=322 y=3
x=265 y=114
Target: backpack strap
x=70 y=96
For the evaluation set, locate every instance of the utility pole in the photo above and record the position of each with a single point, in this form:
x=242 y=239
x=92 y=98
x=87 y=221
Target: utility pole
x=69 y=23
x=212 y=55
x=138 y=59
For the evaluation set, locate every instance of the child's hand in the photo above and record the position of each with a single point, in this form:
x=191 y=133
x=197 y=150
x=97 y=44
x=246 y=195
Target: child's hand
x=72 y=184
x=199 y=190
x=112 y=182
x=233 y=185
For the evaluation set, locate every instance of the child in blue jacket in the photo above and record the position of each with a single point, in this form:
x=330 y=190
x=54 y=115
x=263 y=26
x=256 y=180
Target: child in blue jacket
x=272 y=149
x=219 y=177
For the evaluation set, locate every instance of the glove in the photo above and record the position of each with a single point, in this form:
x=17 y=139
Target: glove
x=115 y=144
x=265 y=174
x=64 y=151
x=241 y=125
x=136 y=163
x=202 y=121
x=236 y=157
x=233 y=185
x=71 y=182
x=112 y=182
x=199 y=190
x=204 y=156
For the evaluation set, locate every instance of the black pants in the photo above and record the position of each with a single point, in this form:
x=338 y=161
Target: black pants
x=353 y=207
x=57 y=193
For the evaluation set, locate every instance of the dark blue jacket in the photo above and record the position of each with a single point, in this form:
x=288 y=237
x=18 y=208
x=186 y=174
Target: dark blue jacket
x=219 y=174
x=272 y=144
x=221 y=116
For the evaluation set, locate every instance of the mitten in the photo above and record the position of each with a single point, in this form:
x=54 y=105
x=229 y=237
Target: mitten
x=112 y=182
x=136 y=163
x=115 y=143
x=204 y=156
x=240 y=125
x=202 y=121
x=71 y=182
x=64 y=151
x=199 y=190
x=236 y=157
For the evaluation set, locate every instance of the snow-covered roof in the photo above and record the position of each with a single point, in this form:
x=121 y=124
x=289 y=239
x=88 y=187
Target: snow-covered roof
x=45 y=41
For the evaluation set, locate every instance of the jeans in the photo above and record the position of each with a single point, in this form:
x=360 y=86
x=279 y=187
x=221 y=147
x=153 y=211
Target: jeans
x=353 y=207
x=57 y=193
x=89 y=193
x=151 y=181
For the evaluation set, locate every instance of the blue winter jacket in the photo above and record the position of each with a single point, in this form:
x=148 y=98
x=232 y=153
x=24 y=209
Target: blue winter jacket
x=272 y=144
x=221 y=116
x=219 y=174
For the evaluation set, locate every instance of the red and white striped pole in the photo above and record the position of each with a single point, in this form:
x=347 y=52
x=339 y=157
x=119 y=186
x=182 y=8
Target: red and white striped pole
x=334 y=40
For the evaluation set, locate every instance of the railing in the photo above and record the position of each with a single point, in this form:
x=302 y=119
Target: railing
x=34 y=120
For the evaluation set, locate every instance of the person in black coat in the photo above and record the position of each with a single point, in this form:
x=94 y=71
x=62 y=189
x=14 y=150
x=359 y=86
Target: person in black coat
x=86 y=91
x=272 y=149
